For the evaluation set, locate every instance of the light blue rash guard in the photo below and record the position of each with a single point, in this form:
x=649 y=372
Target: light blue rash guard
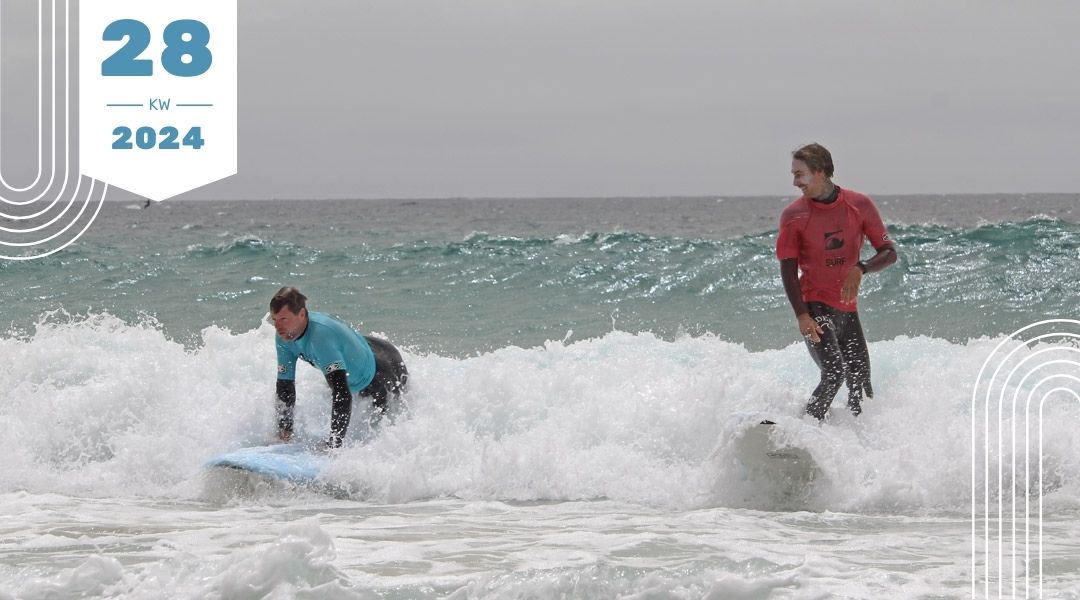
x=328 y=345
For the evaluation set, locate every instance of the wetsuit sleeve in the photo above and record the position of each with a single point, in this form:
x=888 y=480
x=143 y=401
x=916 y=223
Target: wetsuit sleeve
x=789 y=274
x=286 y=401
x=341 y=412
x=875 y=231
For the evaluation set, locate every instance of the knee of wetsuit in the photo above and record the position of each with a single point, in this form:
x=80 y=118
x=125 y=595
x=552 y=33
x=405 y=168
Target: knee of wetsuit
x=833 y=377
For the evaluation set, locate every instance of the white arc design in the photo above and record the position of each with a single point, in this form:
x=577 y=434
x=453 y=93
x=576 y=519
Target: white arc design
x=1036 y=364
x=26 y=233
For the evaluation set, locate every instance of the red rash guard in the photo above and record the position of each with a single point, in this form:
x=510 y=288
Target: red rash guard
x=826 y=240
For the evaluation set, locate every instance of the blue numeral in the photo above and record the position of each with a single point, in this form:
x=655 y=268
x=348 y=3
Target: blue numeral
x=194 y=138
x=125 y=62
x=147 y=139
x=176 y=48
x=123 y=142
x=169 y=142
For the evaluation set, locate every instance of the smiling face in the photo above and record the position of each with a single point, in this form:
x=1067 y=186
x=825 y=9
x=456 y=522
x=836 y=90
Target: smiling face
x=289 y=325
x=814 y=184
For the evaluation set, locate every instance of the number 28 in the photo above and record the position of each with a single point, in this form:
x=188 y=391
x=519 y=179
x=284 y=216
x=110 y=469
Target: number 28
x=125 y=62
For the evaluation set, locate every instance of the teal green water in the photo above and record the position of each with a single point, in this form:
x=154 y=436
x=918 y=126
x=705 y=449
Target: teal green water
x=456 y=278
x=603 y=467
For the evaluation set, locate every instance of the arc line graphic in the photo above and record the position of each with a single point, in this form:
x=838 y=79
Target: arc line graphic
x=1042 y=402
x=75 y=195
x=1000 y=450
x=1027 y=456
x=982 y=383
x=986 y=453
x=67 y=125
x=62 y=143
x=100 y=202
x=40 y=104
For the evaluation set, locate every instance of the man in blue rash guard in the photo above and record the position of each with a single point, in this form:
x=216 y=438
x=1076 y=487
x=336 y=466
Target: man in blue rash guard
x=352 y=363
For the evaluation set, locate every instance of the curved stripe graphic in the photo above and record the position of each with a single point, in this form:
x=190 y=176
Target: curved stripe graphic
x=58 y=206
x=1035 y=366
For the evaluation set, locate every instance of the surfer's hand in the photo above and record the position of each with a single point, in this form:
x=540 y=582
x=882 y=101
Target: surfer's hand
x=809 y=328
x=851 y=285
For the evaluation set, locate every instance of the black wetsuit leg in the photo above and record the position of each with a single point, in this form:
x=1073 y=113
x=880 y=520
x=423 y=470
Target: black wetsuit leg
x=842 y=357
x=856 y=360
x=826 y=353
x=390 y=373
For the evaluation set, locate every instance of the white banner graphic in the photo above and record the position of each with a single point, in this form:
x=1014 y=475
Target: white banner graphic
x=157 y=108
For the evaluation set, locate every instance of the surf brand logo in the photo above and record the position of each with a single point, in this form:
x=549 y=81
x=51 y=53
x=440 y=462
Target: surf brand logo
x=1036 y=367
x=832 y=242
x=824 y=321
x=334 y=366
x=281 y=369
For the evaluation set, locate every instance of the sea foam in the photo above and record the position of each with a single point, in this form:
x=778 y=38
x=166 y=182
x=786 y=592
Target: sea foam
x=97 y=406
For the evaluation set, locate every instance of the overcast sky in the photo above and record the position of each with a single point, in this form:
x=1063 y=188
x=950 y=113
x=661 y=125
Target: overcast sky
x=520 y=98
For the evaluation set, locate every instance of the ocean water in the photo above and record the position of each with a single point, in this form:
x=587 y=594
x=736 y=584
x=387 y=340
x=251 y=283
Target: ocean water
x=570 y=431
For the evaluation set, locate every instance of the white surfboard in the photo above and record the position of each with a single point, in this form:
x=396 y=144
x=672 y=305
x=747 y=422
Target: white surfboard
x=764 y=452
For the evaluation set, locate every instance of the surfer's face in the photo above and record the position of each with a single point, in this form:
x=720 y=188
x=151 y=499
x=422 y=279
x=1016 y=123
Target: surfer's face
x=290 y=325
x=813 y=184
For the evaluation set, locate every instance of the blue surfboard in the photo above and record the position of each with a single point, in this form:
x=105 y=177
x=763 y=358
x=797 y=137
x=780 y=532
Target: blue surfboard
x=296 y=463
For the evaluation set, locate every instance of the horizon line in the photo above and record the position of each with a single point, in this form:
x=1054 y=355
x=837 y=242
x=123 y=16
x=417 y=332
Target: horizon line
x=717 y=197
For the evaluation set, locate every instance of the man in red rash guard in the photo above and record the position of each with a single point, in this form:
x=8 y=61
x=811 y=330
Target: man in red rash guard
x=821 y=235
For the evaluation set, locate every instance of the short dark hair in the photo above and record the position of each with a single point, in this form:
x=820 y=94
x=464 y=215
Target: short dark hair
x=290 y=297
x=816 y=157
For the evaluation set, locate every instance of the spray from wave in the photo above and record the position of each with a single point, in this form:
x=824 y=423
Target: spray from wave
x=96 y=406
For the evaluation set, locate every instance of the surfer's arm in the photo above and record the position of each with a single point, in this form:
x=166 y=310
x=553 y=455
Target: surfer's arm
x=789 y=274
x=286 y=400
x=886 y=255
x=341 y=412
